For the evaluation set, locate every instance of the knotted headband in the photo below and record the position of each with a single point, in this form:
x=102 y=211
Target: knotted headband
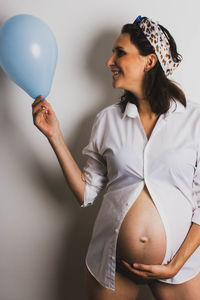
x=160 y=43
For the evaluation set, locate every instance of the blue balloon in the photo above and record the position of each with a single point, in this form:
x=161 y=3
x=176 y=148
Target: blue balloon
x=28 y=53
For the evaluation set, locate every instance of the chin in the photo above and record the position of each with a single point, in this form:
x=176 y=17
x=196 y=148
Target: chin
x=117 y=85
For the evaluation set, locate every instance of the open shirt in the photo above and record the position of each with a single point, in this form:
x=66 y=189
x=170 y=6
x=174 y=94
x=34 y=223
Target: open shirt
x=121 y=159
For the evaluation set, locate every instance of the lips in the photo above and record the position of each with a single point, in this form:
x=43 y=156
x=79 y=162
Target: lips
x=116 y=76
x=116 y=72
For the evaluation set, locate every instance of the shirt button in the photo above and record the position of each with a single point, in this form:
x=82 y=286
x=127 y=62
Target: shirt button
x=113 y=257
x=116 y=230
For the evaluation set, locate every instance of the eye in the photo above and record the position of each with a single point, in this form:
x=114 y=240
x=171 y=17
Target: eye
x=120 y=53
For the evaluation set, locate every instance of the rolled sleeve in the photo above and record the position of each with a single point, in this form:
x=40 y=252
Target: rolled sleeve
x=95 y=169
x=196 y=192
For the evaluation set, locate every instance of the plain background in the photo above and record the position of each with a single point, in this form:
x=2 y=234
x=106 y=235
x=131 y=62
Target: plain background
x=44 y=234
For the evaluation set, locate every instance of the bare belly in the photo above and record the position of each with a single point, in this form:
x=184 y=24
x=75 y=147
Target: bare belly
x=142 y=235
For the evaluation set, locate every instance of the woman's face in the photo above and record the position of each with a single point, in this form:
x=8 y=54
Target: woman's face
x=127 y=64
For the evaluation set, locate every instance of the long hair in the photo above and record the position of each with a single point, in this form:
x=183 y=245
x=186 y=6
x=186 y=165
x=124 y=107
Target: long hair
x=157 y=88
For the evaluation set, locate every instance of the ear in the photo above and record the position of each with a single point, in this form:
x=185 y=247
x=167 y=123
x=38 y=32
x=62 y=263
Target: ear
x=151 y=61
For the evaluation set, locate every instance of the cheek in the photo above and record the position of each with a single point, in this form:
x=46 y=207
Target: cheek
x=133 y=68
x=134 y=72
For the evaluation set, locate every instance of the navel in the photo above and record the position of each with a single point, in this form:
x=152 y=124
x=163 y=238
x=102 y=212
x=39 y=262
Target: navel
x=143 y=239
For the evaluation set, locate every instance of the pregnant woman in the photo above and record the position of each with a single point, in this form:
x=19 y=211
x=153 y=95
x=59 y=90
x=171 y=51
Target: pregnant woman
x=145 y=150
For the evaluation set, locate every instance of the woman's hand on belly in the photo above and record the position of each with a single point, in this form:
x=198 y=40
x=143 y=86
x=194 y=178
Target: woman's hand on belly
x=150 y=271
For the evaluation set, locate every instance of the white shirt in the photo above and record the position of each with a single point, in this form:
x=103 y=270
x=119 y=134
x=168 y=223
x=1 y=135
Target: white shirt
x=122 y=159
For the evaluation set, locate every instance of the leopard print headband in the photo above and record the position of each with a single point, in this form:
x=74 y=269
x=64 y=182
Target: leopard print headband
x=160 y=43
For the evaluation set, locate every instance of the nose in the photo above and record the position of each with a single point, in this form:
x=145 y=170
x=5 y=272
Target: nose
x=110 y=61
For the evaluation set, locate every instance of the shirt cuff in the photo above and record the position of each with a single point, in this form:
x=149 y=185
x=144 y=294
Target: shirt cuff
x=89 y=195
x=196 y=216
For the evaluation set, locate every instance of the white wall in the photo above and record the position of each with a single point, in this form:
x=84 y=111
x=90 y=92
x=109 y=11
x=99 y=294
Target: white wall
x=43 y=233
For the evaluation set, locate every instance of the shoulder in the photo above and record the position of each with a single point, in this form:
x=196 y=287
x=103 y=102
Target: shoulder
x=108 y=111
x=193 y=109
x=193 y=106
x=103 y=119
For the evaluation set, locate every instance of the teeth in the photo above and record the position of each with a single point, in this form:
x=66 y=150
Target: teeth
x=116 y=73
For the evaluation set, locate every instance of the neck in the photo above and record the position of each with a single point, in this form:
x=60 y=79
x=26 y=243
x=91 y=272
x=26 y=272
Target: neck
x=145 y=109
x=144 y=106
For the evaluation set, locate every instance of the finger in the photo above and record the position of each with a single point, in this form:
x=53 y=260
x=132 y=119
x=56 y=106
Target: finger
x=127 y=265
x=37 y=114
x=140 y=273
x=136 y=271
x=37 y=100
x=44 y=103
x=143 y=267
x=143 y=274
x=39 y=117
x=38 y=108
x=42 y=109
x=40 y=97
x=41 y=106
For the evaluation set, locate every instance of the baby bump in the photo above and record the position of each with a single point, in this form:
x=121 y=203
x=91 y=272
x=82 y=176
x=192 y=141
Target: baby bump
x=142 y=236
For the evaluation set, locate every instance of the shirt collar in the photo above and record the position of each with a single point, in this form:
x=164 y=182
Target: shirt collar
x=132 y=111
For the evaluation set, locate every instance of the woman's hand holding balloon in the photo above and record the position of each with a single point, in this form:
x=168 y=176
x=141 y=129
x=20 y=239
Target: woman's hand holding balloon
x=44 y=118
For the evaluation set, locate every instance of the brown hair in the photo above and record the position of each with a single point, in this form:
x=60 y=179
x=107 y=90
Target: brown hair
x=158 y=89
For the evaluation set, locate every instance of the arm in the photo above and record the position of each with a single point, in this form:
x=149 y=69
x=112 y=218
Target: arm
x=71 y=171
x=192 y=240
x=85 y=185
x=95 y=169
x=45 y=120
x=189 y=245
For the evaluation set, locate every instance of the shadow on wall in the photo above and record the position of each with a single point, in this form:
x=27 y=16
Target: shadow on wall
x=68 y=276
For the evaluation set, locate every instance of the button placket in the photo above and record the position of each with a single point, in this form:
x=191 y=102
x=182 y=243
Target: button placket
x=142 y=128
x=144 y=162
x=160 y=122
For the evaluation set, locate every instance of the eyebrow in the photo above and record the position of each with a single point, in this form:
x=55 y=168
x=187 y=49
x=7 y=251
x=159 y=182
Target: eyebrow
x=117 y=48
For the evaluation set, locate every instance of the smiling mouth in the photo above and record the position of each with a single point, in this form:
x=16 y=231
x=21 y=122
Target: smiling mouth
x=117 y=74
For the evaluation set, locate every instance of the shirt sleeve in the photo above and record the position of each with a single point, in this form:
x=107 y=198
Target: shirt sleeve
x=196 y=192
x=95 y=169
